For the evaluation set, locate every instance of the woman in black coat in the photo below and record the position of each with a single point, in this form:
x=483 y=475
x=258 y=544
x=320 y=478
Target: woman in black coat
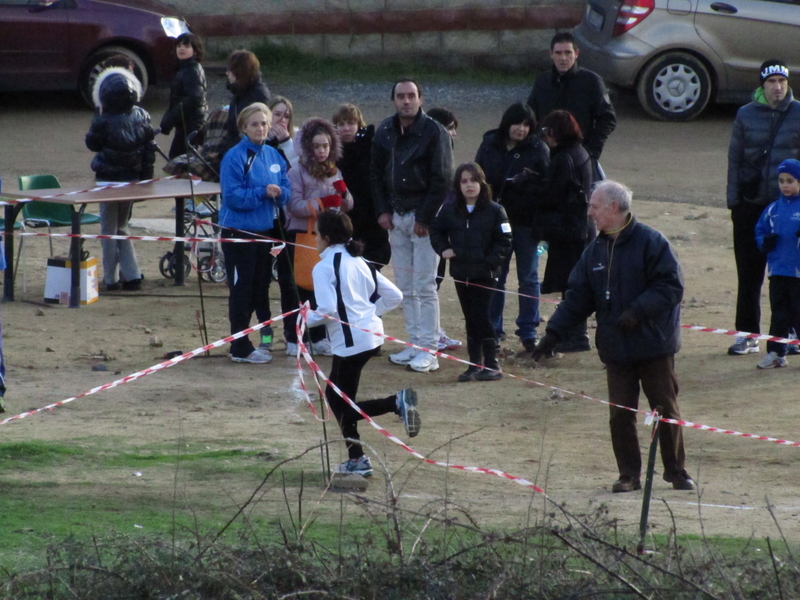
x=244 y=82
x=187 y=96
x=356 y=137
x=473 y=233
x=507 y=151
x=562 y=203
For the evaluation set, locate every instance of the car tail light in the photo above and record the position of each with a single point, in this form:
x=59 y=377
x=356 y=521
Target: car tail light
x=631 y=13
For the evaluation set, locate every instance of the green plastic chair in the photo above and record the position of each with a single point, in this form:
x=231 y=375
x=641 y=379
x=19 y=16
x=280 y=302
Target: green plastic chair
x=40 y=213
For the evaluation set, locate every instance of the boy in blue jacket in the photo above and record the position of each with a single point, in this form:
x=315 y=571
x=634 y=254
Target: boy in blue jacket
x=778 y=236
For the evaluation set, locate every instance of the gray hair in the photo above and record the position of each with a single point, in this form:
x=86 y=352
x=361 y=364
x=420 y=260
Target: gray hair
x=613 y=191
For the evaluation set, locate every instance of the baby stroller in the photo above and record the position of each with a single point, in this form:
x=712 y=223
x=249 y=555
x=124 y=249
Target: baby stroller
x=203 y=159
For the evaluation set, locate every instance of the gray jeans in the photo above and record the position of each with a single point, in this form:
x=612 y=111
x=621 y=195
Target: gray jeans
x=119 y=257
x=414 y=262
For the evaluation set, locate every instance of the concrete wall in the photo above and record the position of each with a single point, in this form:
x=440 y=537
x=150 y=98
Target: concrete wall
x=498 y=33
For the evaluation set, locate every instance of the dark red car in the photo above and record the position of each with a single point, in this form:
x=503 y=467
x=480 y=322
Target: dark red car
x=58 y=44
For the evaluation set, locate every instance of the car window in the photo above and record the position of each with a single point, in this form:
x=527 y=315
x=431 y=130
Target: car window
x=745 y=33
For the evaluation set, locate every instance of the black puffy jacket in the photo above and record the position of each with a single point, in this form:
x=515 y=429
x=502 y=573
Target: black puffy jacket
x=481 y=239
x=187 y=101
x=354 y=165
x=257 y=91
x=500 y=166
x=562 y=197
x=584 y=95
x=120 y=132
x=640 y=272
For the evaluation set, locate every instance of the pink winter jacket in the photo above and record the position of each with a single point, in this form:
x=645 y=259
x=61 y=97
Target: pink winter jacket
x=305 y=187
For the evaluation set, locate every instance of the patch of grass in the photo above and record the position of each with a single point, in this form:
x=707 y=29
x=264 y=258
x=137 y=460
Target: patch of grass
x=285 y=62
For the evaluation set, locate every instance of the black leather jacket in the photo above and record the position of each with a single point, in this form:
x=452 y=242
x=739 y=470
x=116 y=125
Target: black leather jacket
x=188 y=96
x=481 y=239
x=584 y=95
x=121 y=134
x=411 y=170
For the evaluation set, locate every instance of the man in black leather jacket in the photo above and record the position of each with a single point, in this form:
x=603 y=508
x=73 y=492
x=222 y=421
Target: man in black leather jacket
x=629 y=276
x=412 y=163
x=581 y=92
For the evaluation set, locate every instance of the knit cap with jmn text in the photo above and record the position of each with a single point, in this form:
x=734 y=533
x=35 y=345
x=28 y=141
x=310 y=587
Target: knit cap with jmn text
x=773 y=67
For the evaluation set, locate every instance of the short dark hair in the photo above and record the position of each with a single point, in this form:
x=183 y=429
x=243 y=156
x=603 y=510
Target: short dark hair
x=245 y=67
x=518 y=112
x=444 y=116
x=563 y=127
x=338 y=228
x=406 y=80
x=563 y=37
x=193 y=40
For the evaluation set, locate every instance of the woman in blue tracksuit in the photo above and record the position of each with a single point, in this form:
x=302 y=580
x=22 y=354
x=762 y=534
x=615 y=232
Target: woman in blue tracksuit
x=254 y=183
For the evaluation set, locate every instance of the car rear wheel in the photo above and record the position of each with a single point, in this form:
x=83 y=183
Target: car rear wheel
x=92 y=69
x=674 y=87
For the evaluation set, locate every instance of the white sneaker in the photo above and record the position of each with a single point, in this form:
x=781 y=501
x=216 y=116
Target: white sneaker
x=404 y=357
x=446 y=343
x=424 y=362
x=772 y=361
x=322 y=348
x=292 y=349
x=255 y=357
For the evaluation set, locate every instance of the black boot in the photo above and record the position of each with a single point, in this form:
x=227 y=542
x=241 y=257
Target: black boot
x=490 y=362
x=474 y=351
x=577 y=340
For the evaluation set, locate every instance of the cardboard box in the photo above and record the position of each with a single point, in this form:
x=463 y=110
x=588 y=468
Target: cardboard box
x=59 y=280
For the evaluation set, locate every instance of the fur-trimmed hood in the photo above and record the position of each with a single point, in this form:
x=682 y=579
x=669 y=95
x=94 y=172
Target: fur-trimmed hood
x=116 y=90
x=302 y=141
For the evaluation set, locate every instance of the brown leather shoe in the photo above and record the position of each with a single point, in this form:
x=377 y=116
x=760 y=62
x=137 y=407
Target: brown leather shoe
x=626 y=484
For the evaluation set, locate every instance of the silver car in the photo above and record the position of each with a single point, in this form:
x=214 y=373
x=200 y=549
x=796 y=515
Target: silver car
x=679 y=54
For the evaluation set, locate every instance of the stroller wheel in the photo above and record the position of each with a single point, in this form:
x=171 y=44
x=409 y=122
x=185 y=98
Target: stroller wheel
x=165 y=266
x=187 y=266
x=212 y=272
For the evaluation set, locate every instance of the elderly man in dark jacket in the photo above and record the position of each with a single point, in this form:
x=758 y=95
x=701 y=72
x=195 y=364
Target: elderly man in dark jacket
x=579 y=91
x=630 y=277
x=765 y=133
x=412 y=162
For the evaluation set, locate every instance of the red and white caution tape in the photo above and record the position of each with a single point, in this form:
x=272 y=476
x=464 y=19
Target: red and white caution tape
x=649 y=415
x=744 y=334
x=149 y=371
x=320 y=375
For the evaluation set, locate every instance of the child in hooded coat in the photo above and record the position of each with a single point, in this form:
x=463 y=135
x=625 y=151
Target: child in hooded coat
x=316 y=183
x=122 y=137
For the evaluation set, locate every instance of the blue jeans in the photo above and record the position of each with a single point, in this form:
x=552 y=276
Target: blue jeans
x=524 y=248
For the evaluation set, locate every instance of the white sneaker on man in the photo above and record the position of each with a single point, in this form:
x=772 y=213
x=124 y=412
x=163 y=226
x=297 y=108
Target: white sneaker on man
x=291 y=348
x=405 y=356
x=424 y=362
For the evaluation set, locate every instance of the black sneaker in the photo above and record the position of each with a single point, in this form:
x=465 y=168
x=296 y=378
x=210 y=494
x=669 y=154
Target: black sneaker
x=134 y=285
x=681 y=481
x=529 y=344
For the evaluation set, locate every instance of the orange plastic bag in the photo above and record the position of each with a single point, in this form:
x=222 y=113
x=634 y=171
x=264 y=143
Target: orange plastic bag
x=306 y=258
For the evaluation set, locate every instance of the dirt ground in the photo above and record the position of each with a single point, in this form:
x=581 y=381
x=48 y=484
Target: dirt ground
x=560 y=441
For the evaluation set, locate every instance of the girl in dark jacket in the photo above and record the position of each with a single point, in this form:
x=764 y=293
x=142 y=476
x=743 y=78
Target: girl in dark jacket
x=474 y=234
x=187 y=96
x=122 y=137
x=507 y=151
x=563 y=201
x=244 y=82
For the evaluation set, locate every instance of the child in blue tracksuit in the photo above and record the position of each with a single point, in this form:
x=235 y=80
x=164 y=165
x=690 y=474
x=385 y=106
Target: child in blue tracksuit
x=778 y=235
